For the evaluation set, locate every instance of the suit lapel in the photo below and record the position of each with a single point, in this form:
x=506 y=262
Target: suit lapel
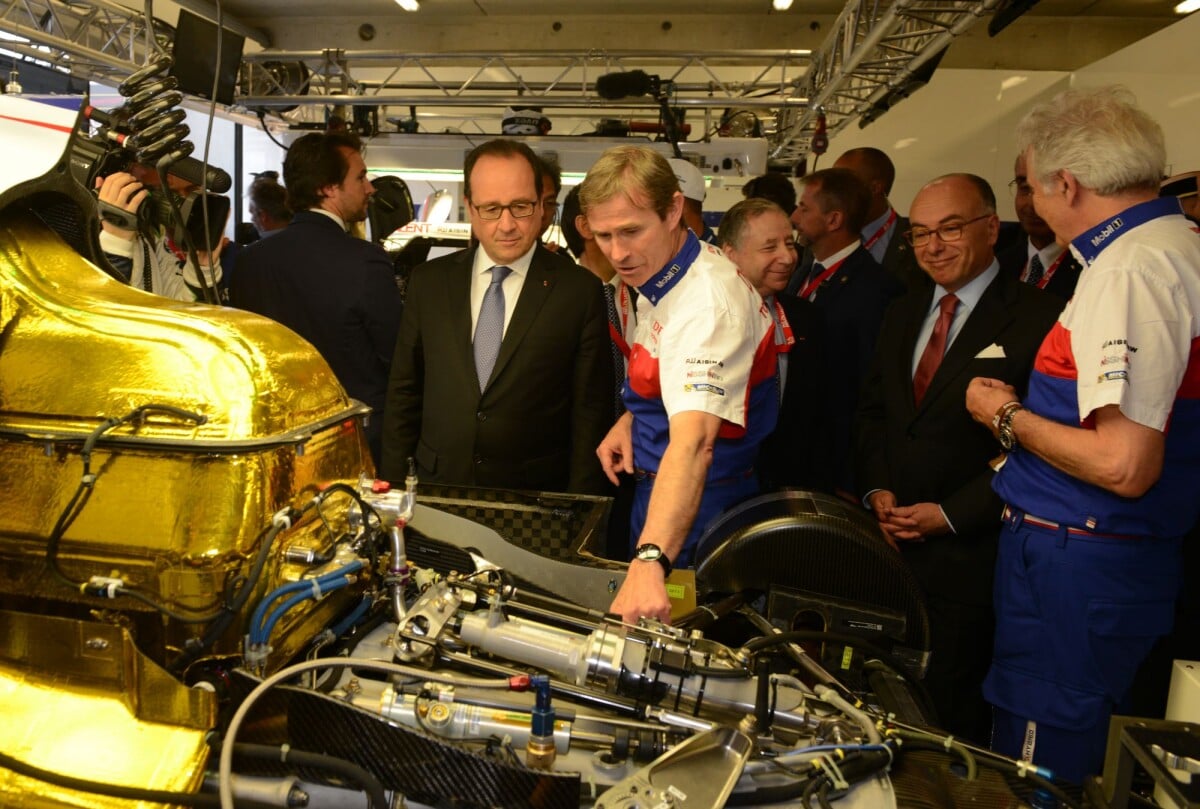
x=897 y=246
x=990 y=317
x=908 y=343
x=457 y=307
x=539 y=283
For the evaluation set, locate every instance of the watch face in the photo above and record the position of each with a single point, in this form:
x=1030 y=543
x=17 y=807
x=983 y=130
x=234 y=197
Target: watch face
x=649 y=553
x=1007 y=438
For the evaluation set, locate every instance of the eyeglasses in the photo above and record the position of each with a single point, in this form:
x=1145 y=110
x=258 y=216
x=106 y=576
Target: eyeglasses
x=952 y=232
x=1019 y=188
x=519 y=210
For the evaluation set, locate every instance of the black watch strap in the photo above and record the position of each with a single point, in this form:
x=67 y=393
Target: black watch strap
x=652 y=553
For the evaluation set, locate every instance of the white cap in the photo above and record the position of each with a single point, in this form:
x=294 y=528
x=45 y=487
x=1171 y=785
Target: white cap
x=691 y=181
x=524 y=122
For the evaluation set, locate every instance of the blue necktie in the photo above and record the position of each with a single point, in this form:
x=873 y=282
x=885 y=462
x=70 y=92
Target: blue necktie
x=1036 y=269
x=489 y=330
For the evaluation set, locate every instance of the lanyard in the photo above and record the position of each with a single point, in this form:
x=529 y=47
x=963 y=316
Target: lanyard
x=811 y=287
x=782 y=325
x=624 y=306
x=877 y=235
x=1048 y=273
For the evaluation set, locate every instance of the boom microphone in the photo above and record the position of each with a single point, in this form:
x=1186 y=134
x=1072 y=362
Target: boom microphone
x=213 y=180
x=625 y=85
x=210 y=178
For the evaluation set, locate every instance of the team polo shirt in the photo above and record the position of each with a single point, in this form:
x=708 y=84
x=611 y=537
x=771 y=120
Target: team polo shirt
x=1129 y=337
x=704 y=341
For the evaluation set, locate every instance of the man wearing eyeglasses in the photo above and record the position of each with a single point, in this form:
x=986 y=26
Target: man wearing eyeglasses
x=502 y=375
x=921 y=462
x=1037 y=259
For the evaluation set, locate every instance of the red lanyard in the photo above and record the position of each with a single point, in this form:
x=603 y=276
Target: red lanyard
x=1048 y=273
x=781 y=320
x=869 y=243
x=624 y=305
x=811 y=286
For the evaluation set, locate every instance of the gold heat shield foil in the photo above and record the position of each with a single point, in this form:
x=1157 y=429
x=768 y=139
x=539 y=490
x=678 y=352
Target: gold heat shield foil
x=78 y=698
x=176 y=507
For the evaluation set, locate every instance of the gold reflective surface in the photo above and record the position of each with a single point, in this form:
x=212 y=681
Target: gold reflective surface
x=177 y=509
x=78 y=698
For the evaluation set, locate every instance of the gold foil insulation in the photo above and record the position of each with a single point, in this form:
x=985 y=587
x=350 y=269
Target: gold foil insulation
x=176 y=510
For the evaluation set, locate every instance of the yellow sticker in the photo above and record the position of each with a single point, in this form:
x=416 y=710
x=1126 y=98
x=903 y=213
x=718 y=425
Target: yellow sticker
x=676 y=591
x=847 y=656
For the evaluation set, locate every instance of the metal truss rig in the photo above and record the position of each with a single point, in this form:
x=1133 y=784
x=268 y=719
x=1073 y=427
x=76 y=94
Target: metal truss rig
x=868 y=63
x=97 y=39
x=475 y=84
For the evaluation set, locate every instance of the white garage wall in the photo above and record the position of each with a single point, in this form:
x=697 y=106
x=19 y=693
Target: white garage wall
x=964 y=119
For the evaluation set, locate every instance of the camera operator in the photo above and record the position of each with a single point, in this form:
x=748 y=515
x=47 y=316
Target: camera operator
x=170 y=273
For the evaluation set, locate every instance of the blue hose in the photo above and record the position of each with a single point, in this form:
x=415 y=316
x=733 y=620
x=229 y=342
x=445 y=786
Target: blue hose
x=353 y=618
x=260 y=628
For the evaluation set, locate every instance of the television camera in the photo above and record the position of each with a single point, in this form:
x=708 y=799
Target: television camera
x=148 y=130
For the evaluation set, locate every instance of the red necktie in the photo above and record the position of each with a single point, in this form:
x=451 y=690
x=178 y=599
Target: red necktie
x=931 y=357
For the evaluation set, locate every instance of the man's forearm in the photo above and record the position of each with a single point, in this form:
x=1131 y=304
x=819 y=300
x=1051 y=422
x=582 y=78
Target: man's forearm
x=678 y=488
x=1119 y=455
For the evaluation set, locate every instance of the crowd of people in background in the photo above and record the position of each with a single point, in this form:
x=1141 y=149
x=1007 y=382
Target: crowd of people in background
x=1023 y=421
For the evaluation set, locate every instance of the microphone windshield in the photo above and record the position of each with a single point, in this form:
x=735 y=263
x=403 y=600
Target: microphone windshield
x=213 y=180
x=624 y=85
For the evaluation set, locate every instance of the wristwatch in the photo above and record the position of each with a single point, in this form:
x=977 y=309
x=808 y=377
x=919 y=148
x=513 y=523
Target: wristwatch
x=1008 y=437
x=653 y=553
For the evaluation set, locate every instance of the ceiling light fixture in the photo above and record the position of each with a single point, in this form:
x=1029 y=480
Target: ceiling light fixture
x=408 y=5
x=1187 y=7
x=781 y=5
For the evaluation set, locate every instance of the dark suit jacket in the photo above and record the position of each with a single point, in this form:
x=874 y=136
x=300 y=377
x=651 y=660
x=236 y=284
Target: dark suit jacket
x=796 y=453
x=547 y=406
x=851 y=303
x=1062 y=283
x=334 y=290
x=900 y=261
x=936 y=453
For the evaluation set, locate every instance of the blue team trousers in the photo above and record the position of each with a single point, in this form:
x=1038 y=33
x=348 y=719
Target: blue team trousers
x=1076 y=613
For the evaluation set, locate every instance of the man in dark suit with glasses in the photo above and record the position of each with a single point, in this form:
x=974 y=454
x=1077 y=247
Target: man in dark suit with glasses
x=922 y=463
x=502 y=375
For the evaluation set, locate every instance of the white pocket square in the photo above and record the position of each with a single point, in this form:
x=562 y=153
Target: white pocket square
x=992 y=352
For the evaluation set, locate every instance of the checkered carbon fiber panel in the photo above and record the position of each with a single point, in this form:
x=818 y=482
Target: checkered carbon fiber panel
x=423 y=768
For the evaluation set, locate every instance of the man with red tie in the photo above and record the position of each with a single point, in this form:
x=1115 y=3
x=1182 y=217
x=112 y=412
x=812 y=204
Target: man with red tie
x=921 y=462
x=883 y=230
x=849 y=291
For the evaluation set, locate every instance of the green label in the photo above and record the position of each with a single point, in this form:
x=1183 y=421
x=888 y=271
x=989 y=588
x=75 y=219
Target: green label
x=676 y=591
x=847 y=656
